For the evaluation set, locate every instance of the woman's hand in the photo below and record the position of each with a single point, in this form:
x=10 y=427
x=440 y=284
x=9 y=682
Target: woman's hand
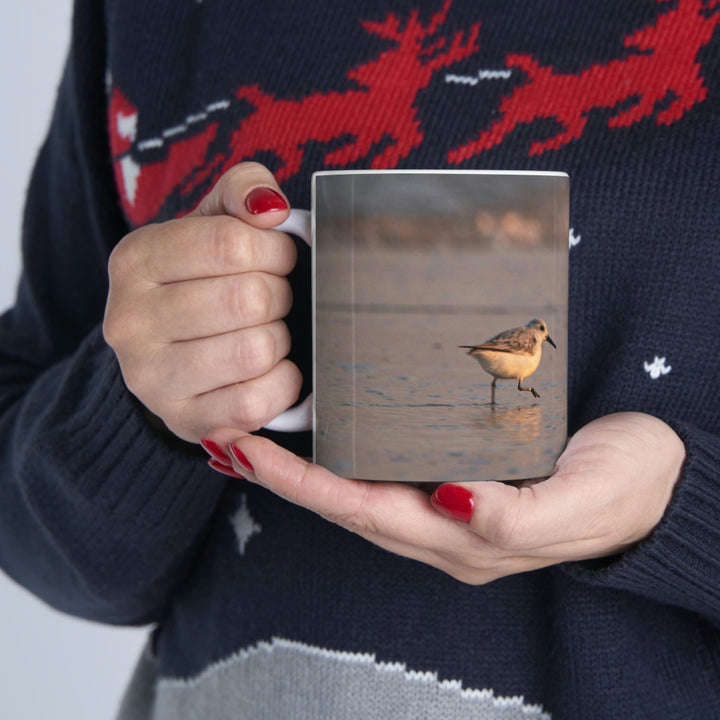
x=195 y=308
x=608 y=491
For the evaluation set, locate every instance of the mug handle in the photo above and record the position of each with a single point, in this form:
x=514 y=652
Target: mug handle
x=300 y=417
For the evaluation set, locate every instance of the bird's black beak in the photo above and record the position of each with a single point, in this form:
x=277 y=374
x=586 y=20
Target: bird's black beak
x=551 y=341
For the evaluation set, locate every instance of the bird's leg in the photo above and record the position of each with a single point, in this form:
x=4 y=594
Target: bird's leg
x=530 y=389
x=492 y=391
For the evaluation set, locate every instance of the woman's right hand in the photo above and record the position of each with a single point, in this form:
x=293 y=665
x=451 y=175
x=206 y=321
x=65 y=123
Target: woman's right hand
x=195 y=307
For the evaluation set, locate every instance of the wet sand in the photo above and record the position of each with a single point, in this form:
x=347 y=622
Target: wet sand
x=396 y=399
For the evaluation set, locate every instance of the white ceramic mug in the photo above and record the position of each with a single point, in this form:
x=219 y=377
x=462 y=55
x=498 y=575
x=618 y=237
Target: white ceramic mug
x=299 y=417
x=413 y=271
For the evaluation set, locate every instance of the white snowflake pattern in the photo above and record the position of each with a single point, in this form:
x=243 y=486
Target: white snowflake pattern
x=574 y=239
x=657 y=368
x=244 y=525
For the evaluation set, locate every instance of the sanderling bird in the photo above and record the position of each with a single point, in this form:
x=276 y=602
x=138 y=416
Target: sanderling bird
x=512 y=354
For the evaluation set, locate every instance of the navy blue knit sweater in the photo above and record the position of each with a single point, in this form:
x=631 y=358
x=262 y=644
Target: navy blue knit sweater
x=262 y=609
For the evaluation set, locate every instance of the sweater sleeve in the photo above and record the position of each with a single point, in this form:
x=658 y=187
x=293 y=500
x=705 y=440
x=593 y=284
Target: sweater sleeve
x=100 y=512
x=679 y=563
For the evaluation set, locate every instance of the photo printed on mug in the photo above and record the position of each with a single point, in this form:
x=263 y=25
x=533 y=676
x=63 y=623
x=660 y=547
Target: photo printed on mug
x=440 y=312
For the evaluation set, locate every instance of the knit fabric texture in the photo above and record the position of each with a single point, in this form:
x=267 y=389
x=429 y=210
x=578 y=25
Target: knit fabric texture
x=262 y=609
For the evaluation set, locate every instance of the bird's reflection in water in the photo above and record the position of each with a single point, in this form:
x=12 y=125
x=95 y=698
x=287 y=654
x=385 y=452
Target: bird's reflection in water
x=520 y=423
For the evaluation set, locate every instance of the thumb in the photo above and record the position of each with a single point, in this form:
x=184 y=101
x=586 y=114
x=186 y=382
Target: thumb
x=490 y=509
x=512 y=517
x=250 y=193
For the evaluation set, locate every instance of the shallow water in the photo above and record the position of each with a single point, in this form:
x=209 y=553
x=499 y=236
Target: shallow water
x=397 y=399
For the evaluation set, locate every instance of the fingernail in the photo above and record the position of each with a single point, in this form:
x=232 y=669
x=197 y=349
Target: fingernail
x=264 y=199
x=454 y=502
x=216 y=452
x=224 y=469
x=240 y=458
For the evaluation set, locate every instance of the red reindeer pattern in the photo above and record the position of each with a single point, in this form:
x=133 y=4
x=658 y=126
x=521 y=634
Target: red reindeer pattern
x=388 y=89
x=377 y=117
x=665 y=66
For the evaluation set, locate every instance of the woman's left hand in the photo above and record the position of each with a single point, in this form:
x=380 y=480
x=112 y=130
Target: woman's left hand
x=609 y=489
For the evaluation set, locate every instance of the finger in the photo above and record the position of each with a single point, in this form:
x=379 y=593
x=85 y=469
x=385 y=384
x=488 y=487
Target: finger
x=394 y=515
x=249 y=192
x=200 y=247
x=195 y=367
x=555 y=518
x=247 y=406
x=212 y=306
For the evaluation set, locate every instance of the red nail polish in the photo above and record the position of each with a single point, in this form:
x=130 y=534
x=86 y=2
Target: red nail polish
x=216 y=452
x=264 y=199
x=454 y=502
x=240 y=458
x=224 y=469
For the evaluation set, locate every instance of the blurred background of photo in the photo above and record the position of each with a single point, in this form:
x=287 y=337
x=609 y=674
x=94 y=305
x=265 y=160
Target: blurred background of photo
x=51 y=665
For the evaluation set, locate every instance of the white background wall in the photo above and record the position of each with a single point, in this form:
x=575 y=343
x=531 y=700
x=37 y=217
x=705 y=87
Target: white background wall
x=51 y=666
